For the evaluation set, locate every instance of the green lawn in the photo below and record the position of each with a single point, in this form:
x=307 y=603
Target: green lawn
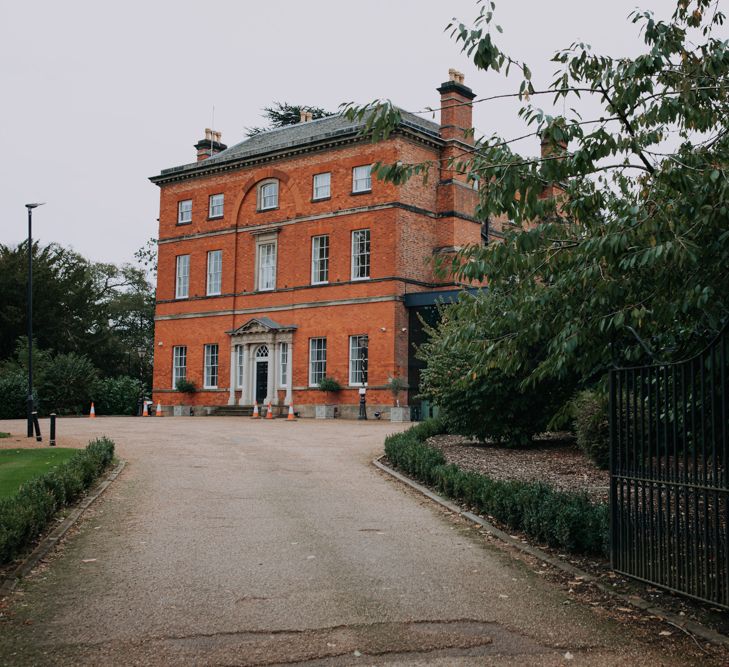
x=20 y=465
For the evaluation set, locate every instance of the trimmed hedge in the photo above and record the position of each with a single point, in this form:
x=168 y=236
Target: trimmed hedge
x=26 y=514
x=569 y=521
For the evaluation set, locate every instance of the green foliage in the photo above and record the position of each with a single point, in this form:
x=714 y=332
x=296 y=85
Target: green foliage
x=66 y=384
x=619 y=250
x=592 y=427
x=117 y=396
x=477 y=397
x=396 y=386
x=330 y=385
x=103 y=311
x=282 y=114
x=24 y=516
x=565 y=520
x=186 y=386
x=13 y=394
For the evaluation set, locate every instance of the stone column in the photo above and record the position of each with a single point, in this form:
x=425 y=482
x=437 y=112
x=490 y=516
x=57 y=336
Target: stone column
x=231 y=392
x=244 y=354
x=271 y=385
x=290 y=374
x=248 y=385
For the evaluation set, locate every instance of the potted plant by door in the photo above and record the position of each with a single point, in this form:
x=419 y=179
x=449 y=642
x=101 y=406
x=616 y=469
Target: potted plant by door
x=328 y=386
x=398 y=413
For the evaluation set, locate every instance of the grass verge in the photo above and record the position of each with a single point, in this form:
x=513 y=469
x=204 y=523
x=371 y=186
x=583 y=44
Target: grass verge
x=18 y=466
x=569 y=521
x=26 y=514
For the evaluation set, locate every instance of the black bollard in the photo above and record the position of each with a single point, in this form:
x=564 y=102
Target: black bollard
x=362 y=404
x=53 y=429
x=36 y=426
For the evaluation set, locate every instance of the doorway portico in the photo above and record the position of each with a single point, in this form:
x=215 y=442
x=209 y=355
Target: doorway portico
x=261 y=353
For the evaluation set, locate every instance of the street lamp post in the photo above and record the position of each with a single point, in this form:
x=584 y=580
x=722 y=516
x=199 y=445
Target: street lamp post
x=30 y=402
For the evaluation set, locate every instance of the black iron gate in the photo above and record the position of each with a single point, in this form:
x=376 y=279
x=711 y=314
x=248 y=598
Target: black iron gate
x=669 y=485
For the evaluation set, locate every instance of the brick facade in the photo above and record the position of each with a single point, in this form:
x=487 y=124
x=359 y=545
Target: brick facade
x=408 y=225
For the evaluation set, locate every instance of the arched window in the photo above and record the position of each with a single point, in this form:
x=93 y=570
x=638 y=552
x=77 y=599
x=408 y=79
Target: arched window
x=262 y=352
x=268 y=195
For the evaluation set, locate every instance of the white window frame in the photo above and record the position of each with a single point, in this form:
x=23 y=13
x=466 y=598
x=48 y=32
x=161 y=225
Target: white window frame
x=361 y=180
x=215 y=272
x=321 y=360
x=266 y=250
x=182 y=277
x=184 y=212
x=211 y=364
x=356 y=258
x=240 y=366
x=317 y=259
x=179 y=370
x=216 y=206
x=322 y=186
x=268 y=199
x=283 y=365
x=355 y=358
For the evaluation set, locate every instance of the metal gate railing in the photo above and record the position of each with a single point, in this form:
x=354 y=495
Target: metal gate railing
x=669 y=484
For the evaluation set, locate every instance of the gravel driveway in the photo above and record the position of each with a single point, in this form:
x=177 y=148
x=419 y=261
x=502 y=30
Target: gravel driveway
x=233 y=542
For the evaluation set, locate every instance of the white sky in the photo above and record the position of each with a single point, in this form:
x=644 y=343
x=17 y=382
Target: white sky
x=97 y=96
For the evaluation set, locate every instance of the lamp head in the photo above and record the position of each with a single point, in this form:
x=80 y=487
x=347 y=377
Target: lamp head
x=35 y=205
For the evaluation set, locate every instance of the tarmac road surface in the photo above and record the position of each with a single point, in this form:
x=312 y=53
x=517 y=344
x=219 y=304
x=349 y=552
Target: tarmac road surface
x=228 y=541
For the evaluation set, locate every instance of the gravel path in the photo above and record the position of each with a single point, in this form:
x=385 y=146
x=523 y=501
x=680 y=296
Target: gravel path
x=228 y=541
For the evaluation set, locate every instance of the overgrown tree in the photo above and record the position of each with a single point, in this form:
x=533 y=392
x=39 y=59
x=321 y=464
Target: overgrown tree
x=630 y=262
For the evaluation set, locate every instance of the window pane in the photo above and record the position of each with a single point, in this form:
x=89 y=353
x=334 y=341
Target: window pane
x=320 y=259
x=211 y=366
x=240 y=358
x=215 y=271
x=267 y=266
x=358 y=359
x=317 y=360
x=360 y=254
x=322 y=185
x=269 y=195
x=184 y=211
x=361 y=178
x=284 y=364
x=182 y=281
x=216 y=206
x=179 y=364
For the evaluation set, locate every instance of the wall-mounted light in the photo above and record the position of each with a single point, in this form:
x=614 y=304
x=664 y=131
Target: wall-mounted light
x=383 y=329
x=160 y=343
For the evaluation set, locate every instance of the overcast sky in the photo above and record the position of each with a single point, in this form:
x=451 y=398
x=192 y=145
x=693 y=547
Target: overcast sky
x=99 y=96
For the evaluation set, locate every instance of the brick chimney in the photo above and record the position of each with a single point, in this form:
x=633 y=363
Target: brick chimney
x=456 y=196
x=210 y=145
x=456 y=111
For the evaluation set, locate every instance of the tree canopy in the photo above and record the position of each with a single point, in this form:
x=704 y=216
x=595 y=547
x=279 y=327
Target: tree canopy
x=282 y=114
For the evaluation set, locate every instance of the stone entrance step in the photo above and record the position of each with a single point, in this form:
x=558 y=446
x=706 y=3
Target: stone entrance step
x=247 y=411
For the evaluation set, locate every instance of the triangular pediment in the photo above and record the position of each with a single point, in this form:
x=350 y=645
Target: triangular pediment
x=261 y=325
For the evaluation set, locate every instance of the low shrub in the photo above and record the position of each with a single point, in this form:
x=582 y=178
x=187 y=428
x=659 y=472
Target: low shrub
x=328 y=385
x=13 y=394
x=568 y=521
x=186 y=386
x=118 y=395
x=592 y=426
x=26 y=514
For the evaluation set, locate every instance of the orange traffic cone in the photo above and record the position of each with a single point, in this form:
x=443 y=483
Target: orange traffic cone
x=92 y=412
x=158 y=412
x=269 y=412
x=255 y=414
x=291 y=416
x=146 y=410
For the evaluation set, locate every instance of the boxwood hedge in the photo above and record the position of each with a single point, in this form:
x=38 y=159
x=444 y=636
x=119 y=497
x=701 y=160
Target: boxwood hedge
x=26 y=514
x=569 y=521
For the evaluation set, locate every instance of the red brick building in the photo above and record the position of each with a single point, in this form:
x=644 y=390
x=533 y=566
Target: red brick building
x=282 y=260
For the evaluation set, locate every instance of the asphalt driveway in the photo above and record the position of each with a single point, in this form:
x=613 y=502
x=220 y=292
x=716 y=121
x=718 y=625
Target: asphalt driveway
x=239 y=542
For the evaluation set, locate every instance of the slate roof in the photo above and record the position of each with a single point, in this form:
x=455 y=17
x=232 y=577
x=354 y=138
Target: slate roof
x=301 y=134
